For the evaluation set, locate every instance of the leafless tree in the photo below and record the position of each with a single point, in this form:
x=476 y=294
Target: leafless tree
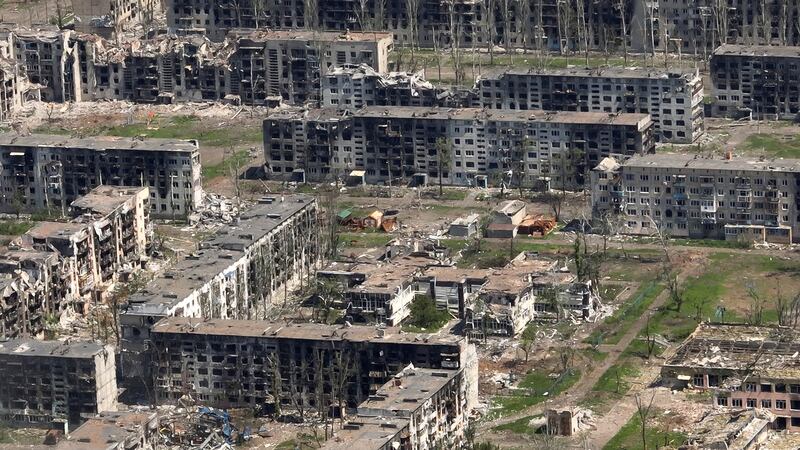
x=644 y=411
x=788 y=309
x=506 y=6
x=583 y=31
x=524 y=19
x=668 y=271
x=378 y=21
x=489 y=25
x=311 y=14
x=649 y=339
x=342 y=366
x=620 y=7
x=755 y=310
x=361 y=10
x=412 y=12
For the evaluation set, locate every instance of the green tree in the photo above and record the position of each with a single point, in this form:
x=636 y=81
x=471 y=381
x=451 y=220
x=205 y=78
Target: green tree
x=443 y=157
x=424 y=313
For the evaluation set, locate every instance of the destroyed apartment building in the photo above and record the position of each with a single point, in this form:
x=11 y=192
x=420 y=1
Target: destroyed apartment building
x=240 y=272
x=528 y=288
x=673 y=99
x=353 y=87
x=416 y=409
x=46 y=383
x=111 y=17
x=47 y=172
x=56 y=266
x=271 y=363
x=738 y=199
x=755 y=81
x=388 y=143
x=468 y=23
x=742 y=366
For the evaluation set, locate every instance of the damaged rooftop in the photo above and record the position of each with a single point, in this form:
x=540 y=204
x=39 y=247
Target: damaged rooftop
x=215 y=254
x=106 y=199
x=61 y=349
x=302 y=331
x=759 y=350
x=65 y=143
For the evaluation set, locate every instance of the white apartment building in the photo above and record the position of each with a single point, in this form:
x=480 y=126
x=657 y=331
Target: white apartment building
x=673 y=99
x=690 y=196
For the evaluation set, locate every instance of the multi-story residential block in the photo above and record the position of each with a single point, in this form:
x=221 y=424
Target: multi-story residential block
x=253 y=68
x=401 y=143
x=107 y=17
x=761 y=82
x=742 y=366
x=353 y=87
x=673 y=99
x=238 y=273
x=51 y=382
x=49 y=60
x=47 y=173
x=472 y=24
x=270 y=362
x=69 y=265
x=700 y=197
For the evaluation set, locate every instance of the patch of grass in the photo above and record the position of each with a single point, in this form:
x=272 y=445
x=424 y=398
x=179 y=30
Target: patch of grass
x=365 y=240
x=609 y=292
x=532 y=390
x=775 y=145
x=452 y=195
x=629 y=437
x=594 y=355
x=14 y=227
x=239 y=159
x=615 y=326
x=519 y=426
x=178 y=127
x=616 y=379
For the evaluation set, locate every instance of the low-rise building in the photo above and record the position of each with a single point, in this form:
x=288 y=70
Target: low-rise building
x=115 y=430
x=51 y=382
x=48 y=173
x=673 y=99
x=465 y=226
x=742 y=366
x=735 y=198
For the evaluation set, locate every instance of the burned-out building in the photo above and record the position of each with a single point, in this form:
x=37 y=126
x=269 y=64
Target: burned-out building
x=473 y=24
x=108 y=17
x=50 y=382
x=673 y=99
x=48 y=58
x=761 y=82
x=735 y=198
x=388 y=142
x=451 y=288
x=271 y=362
x=56 y=266
x=433 y=405
x=47 y=173
x=742 y=366
x=237 y=273
x=115 y=430
x=353 y=87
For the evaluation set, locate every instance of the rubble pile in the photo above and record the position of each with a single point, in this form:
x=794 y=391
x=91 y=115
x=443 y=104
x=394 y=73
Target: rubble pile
x=199 y=428
x=215 y=210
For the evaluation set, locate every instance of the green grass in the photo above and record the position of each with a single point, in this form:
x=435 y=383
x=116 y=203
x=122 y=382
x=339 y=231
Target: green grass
x=594 y=355
x=452 y=195
x=364 y=240
x=519 y=426
x=773 y=145
x=179 y=127
x=14 y=227
x=629 y=437
x=615 y=326
x=621 y=372
x=239 y=160
x=531 y=391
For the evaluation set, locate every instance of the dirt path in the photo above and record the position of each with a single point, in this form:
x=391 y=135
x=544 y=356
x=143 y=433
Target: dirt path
x=609 y=424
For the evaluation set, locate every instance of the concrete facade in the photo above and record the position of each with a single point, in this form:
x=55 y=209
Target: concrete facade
x=761 y=82
x=115 y=430
x=271 y=363
x=48 y=382
x=696 y=197
x=757 y=371
x=400 y=142
x=47 y=173
x=108 y=17
x=673 y=99
x=238 y=273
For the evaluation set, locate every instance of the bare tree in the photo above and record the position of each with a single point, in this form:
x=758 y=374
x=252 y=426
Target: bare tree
x=311 y=14
x=412 y=12
x=755 y=311
x=668 y=271
x=788 y=310
x=620 y=6
x=361 y=10
x=644 y=410
x=489 y=25
x=524 y=19
x=444 y=150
